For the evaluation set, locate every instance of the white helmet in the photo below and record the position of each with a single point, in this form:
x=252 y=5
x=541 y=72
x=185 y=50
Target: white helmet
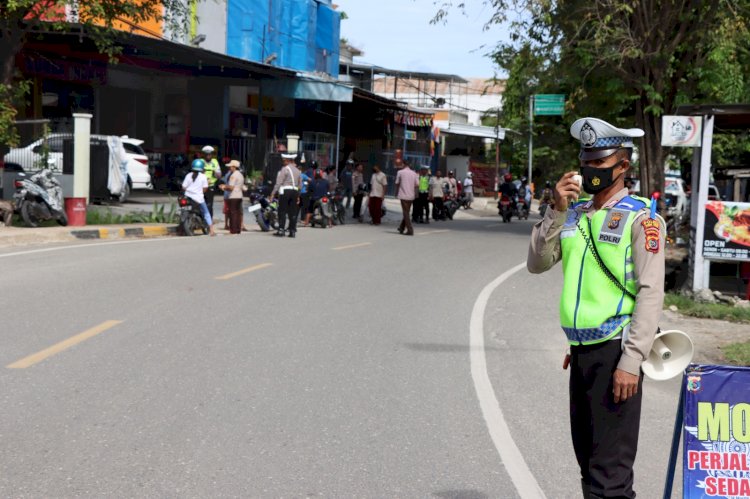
x=207 y=149
x=468 y=174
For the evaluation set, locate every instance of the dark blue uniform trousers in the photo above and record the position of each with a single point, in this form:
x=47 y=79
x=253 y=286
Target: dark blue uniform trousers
x=605 y=434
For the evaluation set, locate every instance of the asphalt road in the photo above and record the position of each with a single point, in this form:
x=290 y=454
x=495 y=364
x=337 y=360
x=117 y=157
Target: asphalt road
x=336 y=364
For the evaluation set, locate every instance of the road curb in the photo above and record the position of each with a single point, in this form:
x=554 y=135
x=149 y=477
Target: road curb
x=124 y=232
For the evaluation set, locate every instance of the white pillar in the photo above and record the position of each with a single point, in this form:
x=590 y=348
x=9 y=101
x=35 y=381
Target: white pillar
x=81 y=155
x=701 y=266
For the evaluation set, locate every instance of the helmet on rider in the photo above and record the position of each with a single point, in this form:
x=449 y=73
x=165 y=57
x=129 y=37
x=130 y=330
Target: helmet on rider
x=198 y=165
x=523 y=180
x=548 y=184
x=508 y=177
x=318 y=174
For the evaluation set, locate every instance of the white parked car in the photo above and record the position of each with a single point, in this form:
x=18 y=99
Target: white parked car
x=30 y=157
x=138 y=173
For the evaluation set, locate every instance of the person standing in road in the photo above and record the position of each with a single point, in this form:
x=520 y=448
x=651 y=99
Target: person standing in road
x=358 y=182
x=287 y=185
x=235 y=186
x=306 y=178
x=213 y=174
x=453 y=184
x=195 y=186
x=407 y=185
x=422 y=203
x=347 y=180
x=612 y=252
x=469 y=189
x=436 y=195
x=378 y=186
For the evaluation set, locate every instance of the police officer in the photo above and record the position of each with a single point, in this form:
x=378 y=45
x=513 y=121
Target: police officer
x=287 y=185
x=612 y=250
x=213 y=174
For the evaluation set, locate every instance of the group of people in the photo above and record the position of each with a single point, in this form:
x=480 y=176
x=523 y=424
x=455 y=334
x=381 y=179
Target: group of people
x=205 y=179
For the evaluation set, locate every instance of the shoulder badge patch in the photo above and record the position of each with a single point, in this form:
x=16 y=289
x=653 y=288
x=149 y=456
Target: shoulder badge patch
x=652 y=229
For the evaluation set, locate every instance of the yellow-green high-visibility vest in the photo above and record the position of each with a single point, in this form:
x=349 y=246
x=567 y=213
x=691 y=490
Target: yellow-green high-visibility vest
x=592 y=308
x=424 y=183
x=211 y=168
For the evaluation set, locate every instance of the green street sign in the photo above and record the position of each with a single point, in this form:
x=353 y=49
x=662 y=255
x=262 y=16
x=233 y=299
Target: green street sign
x=549 y=104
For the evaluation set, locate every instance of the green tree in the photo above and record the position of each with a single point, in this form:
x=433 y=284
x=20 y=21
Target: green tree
x=625 y=61
x=22 y=19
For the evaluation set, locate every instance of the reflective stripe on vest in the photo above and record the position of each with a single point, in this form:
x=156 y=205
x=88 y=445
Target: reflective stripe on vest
x=592 y=308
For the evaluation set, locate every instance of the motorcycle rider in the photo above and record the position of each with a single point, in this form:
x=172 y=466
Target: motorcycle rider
x=213 y=174
x=507 y=190
x=547 y=198
x=195 y=186
x=319 y=189
x=453 y=185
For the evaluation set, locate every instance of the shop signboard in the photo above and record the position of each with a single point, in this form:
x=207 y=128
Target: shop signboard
x=681 y=131
x=411 y=135
x=716 y=431
x=726 y=234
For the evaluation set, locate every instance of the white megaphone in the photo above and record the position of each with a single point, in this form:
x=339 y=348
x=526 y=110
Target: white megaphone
x=670 y=354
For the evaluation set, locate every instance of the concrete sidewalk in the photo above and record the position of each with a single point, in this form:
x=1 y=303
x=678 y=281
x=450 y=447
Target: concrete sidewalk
x=24 y=236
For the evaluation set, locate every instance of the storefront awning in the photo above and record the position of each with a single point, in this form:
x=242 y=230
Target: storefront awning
x=310 y=89
x=486 y=132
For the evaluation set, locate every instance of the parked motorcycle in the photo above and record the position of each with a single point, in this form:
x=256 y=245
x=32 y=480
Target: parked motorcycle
x=338 y=211
x=265 y=211
x=505 y=207
x=450 y=205
x=39 y=198
x=191 y=217
x=321 y=212
x=463 y=200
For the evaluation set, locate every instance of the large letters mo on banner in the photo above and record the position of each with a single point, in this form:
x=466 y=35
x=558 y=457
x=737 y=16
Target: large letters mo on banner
x=716 y=460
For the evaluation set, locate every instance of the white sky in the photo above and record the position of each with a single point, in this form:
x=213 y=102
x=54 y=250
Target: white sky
x=397 y=34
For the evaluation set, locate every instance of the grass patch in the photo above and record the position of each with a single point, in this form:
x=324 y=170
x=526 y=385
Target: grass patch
x=157 y=215
x=737 y=354
x=722 y=311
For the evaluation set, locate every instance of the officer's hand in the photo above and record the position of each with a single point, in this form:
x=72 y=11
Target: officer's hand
x=625 y=385
x=565 y=190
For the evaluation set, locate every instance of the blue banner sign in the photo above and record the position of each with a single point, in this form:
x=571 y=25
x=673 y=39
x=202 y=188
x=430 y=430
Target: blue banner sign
x=716 y=450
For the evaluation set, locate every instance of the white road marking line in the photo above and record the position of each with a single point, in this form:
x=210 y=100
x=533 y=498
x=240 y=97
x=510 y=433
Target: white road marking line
x=510 y=455
x=75 y=246
x=493 y=225
x=232 y=275
x=432 y=232
x=351 y=246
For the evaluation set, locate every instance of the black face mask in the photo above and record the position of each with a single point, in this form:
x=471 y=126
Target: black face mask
x=596 y=180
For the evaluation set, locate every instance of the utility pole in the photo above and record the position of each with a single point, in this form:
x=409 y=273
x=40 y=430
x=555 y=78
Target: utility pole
x=531 y=130
x=497 y=151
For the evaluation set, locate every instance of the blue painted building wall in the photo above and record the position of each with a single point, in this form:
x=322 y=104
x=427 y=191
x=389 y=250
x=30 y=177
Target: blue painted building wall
x=302 y=34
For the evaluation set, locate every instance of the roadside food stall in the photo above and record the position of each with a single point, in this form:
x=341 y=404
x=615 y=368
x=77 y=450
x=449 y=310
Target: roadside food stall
x=719 y=230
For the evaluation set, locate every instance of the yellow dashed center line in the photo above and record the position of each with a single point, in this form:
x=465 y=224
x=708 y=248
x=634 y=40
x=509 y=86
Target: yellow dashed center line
x=63 y=345
x=351 y=246
x=243 y=271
